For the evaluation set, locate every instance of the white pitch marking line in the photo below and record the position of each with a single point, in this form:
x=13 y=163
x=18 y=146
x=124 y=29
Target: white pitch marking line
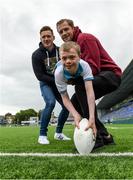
x=67 y=154
x=120 y=127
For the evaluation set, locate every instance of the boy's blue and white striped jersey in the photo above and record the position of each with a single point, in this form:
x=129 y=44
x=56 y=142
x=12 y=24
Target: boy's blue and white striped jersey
x=62 y=76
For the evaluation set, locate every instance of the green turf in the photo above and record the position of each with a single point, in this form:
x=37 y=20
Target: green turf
x=24 y=139
x=66 y=168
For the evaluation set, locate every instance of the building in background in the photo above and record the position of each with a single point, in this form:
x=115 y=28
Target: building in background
x=2 y=120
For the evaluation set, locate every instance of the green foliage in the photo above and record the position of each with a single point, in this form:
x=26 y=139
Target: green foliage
x=8 y=114
x=24 y=115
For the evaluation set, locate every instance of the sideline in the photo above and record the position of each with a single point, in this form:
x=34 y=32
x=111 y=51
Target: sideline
x=67 y=154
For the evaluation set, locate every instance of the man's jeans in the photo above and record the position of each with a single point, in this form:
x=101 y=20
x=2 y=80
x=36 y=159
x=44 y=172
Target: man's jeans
x=50 y=95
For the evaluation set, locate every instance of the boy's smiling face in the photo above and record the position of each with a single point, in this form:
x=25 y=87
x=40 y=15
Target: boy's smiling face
x=70 y=60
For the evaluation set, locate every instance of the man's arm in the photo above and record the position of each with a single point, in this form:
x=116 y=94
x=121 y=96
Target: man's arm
x=90 y=51
x=71 y=109
x=91 y=105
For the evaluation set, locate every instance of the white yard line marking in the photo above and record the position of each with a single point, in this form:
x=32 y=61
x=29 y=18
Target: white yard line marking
x=67 y=154
x=120 y=127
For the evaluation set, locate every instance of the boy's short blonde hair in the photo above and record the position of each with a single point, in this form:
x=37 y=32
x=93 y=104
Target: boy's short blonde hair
x=69 y=45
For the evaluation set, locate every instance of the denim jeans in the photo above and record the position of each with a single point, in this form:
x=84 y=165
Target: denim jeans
x=50 y=95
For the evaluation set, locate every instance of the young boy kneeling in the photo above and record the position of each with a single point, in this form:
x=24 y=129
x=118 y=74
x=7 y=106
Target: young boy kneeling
x=70 y=69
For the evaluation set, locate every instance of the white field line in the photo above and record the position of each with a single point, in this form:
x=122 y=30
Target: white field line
x=120 y=127
x=67 y=154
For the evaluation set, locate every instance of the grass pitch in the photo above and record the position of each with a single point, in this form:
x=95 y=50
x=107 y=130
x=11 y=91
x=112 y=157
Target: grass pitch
x=24 y=139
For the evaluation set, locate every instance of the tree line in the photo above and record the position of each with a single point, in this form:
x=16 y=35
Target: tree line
x=22 y=115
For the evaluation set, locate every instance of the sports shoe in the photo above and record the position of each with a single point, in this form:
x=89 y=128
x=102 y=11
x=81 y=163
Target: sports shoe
x=99 y=142
x=108 y=140
x=61 y=136
x=43 y=140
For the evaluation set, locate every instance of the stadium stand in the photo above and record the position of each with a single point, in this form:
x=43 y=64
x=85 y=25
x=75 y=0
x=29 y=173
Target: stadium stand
x=117 y=107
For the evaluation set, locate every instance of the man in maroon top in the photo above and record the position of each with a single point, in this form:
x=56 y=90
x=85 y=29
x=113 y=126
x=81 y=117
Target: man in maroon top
x=107 y=74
